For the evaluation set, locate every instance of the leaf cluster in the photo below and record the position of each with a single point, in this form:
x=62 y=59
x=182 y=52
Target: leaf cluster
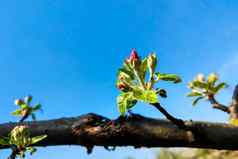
x=20 y=138
x=205 y=88
x=136 y=81
x=25 y=107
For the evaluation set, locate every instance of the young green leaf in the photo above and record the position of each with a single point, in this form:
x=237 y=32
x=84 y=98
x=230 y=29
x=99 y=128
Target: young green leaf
x=36 y=107
x=17 y=112
x=125 y=101
x=194 y=94
x=219 y=87
x=33 y=116
x=4 y=141
x=168 y=77
x=28 y=99
x=125 y=73
x=200 y=84
x=37 y=139
x=147 y=96
x=143 y=68
x=196 y=100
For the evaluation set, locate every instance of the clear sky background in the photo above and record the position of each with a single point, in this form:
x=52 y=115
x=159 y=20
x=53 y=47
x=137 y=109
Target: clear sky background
x=66 y=54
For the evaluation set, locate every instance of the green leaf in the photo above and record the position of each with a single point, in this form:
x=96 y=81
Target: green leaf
x=125 y=101
x=37 y=139
x=4 y=141
x=220 y=86
x=127 y=74
x=36 y=107
x=168 y=77
x=128 y=70
x=194 y=94
x=33 y=116
x=143 y=68
x=147 y=96
x=24 y=106
x=196 y=100
x=28 y=99
x=17 y=112
x=200 y=84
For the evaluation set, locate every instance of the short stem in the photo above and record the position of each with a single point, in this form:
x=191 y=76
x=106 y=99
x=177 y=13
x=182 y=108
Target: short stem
x=24 y=118
x=217 y=105
x=178 y=122
x=12 y=156
x=14 y=152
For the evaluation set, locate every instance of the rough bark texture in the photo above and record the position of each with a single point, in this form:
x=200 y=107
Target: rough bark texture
x=234 y=104
x=94 y=130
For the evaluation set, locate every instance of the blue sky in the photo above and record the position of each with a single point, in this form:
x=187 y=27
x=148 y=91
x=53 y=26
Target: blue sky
x=66 y=54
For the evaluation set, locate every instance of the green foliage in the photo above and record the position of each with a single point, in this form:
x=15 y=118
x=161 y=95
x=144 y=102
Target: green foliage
x=25 y=107
x=21 y=138
x=168 y=77
x=136 y=81
x=125 y=101
x=205 y=88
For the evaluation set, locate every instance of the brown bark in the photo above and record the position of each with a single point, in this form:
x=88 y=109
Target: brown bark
x=234 y=104
x=94 y=130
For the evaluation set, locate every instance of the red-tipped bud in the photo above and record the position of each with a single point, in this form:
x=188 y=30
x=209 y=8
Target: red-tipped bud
x=134 y=56
x=121 y=86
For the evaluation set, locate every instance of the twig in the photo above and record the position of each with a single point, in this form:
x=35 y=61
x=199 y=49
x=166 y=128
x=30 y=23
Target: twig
x=235 y=95
x=217 y=105
x=177 y=122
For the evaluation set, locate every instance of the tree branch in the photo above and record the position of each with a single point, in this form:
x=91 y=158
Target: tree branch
x=217 y=105
x=94 y=130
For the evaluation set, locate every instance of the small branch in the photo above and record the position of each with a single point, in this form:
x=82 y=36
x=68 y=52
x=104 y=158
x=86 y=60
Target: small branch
x=24 y=118
x=177 y=122
x=234 y=104
x=235 y=95
x=14 y=152
x=217 y=105
x=12 y=156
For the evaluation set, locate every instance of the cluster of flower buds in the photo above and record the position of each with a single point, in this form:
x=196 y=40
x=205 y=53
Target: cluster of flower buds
x=206 y=87
x=20 y=135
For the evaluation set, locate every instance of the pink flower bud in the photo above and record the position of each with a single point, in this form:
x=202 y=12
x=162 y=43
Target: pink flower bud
x=121 y=86
x=134 y=56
